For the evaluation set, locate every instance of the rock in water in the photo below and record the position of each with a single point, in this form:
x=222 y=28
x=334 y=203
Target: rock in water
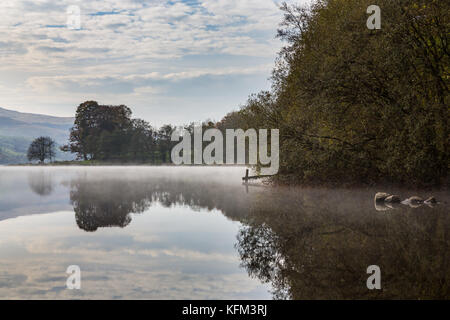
x=381 y=206
x=415 y=200
x=393 y=199
x=381 y=196
x=431 y=200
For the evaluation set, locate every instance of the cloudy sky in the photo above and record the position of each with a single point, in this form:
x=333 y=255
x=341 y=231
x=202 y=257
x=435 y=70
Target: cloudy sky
x=170 y=61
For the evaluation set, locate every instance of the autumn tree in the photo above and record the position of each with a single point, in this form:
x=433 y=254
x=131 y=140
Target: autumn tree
x=360 y=105
x=92 y=123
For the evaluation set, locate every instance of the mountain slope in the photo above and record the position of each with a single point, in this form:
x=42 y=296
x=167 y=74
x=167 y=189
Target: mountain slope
x=13 y=149
x=28 y=125
x=18 y=129
x=35 y=118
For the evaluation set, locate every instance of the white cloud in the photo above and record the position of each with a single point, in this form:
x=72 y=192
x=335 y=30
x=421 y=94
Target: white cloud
x=125 y=44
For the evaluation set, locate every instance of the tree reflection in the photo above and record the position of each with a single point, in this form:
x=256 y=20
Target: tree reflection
x=98 y=205
x=108 y=202
x=41 y=182
x=311 y=248
x=308 y=244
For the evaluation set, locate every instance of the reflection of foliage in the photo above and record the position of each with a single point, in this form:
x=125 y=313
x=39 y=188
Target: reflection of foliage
x=259 y=251
x=313 y=249
x=107 y=202
x=259 y=255
x=308 y=244
x=97 y=204
x=41 y=183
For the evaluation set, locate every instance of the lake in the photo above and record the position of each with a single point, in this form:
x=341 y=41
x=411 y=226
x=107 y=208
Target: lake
x=199 y=233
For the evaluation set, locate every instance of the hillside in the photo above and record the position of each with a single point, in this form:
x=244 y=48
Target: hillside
x=18 y=129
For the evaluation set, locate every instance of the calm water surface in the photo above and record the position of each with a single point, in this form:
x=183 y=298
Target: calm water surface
x=198 y=233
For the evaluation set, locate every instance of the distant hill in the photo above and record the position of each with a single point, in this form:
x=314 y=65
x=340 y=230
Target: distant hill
x=18 y=129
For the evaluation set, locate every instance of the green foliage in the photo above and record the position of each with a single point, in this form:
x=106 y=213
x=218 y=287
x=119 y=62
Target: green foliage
x=94 y=128
x=108 y=134
x=359 y=105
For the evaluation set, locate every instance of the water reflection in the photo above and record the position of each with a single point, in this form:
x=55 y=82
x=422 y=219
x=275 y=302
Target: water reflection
x=159 y=233
x=41 y=182
x=303 y=243
x=108 y=202
x=313 y=244
x=308 y=248
x=99 y=204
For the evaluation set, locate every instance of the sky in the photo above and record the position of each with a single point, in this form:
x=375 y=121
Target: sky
x=169 y=61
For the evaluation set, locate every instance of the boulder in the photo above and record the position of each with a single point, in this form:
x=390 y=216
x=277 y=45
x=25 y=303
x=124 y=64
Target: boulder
x=381 y=196
x=393 y=199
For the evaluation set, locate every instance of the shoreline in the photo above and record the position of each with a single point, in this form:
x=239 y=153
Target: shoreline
x=93 y=163
x=279 y=181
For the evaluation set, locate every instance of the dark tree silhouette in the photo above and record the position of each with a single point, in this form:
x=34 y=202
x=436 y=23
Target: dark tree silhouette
x=41 y=148
x=96 y=125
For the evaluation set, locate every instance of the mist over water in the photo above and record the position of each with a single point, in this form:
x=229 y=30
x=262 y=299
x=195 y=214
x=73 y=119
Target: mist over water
x=198 y=233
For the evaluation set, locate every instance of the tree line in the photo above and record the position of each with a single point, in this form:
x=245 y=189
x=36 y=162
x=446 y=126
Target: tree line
x=355 y=105
x=108 y=133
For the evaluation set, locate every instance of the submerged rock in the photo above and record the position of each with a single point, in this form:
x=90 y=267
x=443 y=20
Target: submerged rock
x=415 y=200
x=393 y=199
x=381 y=196
x=431 y=200
x=385 y=201
x=381 y=206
